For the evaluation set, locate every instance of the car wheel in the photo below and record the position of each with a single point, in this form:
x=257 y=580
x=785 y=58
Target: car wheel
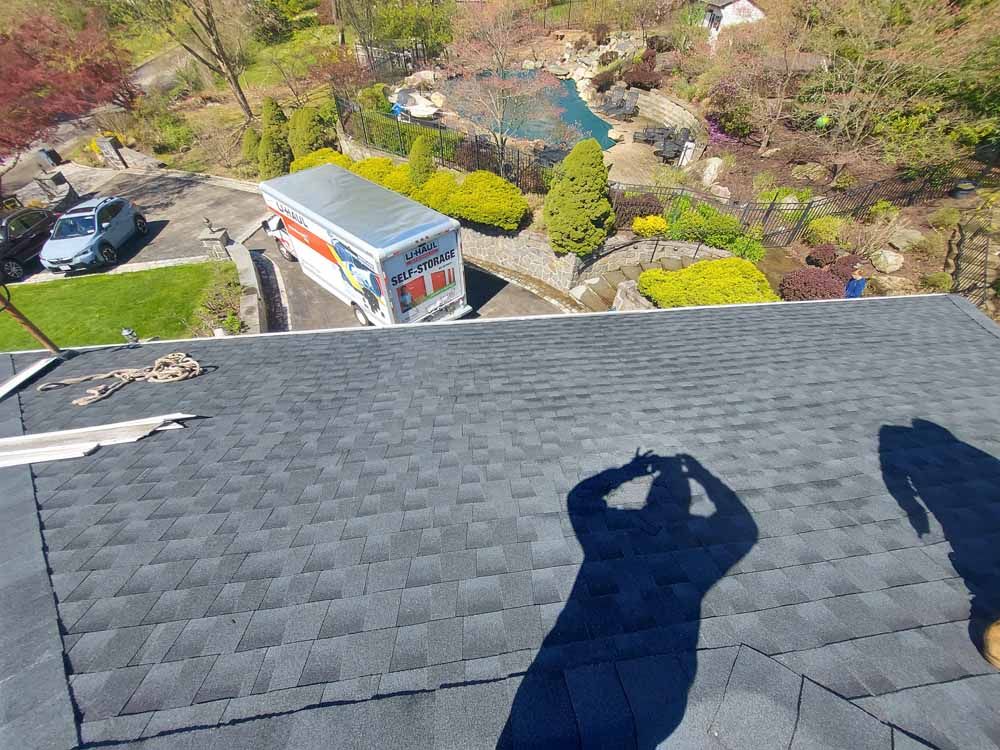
x=141 y=227
x=360 y=316
x=11 y=270
x=286 y=253
x=109 y=256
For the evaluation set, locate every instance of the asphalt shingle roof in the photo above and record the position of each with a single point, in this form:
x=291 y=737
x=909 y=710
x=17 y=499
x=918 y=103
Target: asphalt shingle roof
x=444 y=537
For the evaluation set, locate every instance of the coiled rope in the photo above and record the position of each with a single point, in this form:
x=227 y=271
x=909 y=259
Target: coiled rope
x=171 y=368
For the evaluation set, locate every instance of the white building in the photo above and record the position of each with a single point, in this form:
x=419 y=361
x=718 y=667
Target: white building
x=721 y=14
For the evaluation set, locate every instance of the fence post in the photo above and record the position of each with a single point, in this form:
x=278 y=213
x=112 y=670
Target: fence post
x=476 y=149
x=441 y=145
x=364 y=128
x=800 y=224
x=399 y=134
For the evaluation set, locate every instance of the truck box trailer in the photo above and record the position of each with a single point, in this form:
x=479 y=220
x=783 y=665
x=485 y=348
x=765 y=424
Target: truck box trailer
x=391 y=259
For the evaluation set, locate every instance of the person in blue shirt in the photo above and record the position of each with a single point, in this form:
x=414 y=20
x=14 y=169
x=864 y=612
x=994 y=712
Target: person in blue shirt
x=855 y=285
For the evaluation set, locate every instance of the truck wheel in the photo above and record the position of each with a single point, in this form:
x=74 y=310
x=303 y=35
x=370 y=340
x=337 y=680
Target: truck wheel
x=286 y=253
x=359 y=314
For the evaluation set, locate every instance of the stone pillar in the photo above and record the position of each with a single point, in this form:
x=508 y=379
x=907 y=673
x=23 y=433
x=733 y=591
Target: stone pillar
x=109 y=148
x=216 y=241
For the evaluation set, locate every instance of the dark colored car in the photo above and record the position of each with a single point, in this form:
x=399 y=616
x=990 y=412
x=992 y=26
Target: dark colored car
x=23 y=232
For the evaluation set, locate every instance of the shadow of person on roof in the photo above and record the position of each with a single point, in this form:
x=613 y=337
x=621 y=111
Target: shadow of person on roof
x=644 y=528
x=930 y=472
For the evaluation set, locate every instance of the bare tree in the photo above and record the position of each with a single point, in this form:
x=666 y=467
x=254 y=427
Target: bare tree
x=501 y=98
x=197 y=26
x=770 y=57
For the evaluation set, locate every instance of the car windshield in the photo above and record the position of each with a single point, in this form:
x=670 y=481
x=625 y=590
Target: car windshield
x=73 y=226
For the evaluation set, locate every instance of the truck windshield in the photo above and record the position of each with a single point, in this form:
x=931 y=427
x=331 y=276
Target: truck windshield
x=73 y=226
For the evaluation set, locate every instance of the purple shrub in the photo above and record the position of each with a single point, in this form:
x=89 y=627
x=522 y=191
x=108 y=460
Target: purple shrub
x=822 y=255
x=810 y=283
x=843 y=267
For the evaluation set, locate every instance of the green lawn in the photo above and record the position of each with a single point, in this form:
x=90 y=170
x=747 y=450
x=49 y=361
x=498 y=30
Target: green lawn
x=295 y=55
x=162 y=302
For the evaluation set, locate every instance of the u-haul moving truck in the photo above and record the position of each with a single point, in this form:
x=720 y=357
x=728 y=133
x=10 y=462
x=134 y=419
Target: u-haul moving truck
x=391 y=259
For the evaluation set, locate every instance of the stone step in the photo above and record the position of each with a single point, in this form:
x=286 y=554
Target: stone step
x=614 y=278
x=632 y=272
x=671 y=264
x=603 y=288
x=588 y=298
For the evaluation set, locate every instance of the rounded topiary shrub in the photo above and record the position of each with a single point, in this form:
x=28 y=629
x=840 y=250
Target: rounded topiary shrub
x=485 y=198
x=437 y=191
x=322 y=156
x=251 y=142
x=811 y=283
x=708 y=282
x=822 y=255
x=274 y=155
x=578 y=214
x=421 y=160
x=824 y=230
x=649 y=226
x=843 y=267
x=305 y=131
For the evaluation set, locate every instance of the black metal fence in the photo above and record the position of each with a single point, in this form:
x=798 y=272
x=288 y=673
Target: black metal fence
x=452 y=148
x=972 y=264
x=392 y=59
x=782 y=223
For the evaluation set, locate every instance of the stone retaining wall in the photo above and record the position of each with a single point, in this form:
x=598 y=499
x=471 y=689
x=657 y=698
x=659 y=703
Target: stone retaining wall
x=525 y=253
x=650 y=251
x=253 y=311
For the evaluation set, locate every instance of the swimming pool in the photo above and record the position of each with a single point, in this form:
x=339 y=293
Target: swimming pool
x=575 y=112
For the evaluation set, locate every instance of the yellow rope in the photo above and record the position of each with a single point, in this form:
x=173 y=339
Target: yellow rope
x=171 y=368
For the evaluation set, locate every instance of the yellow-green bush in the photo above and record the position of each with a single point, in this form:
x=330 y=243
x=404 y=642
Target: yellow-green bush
x=708 y=282
x=322 y=156
x=399 y=179
x=824 y=230
x=938 y=282
x=649 y=226
x=488 y=199
x=437 y=191
x=376 y=169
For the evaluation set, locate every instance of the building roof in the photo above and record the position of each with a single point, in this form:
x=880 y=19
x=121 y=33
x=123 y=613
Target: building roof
x=380 y=219
x=755 y=526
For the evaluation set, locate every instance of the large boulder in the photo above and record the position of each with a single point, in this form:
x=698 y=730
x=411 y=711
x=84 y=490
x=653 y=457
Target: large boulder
x=711 y=171
x=420 y=79
x=887 y=261
x=437 y=99
x=628 y=298
x=558 y=71
x=903 y=239
x=721 y=192
x=891 y=286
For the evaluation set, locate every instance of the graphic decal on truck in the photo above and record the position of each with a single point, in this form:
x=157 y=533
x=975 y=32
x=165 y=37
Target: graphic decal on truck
x=358 y=274
x=425 y=277
x=354 y=271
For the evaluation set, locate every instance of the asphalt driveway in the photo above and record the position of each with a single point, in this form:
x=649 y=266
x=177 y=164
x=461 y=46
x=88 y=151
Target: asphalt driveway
x=183 y=204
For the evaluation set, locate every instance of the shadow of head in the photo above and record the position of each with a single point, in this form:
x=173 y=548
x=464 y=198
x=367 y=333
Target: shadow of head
x=659 y=486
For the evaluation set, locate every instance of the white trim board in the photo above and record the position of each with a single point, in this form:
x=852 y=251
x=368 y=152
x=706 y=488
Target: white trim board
x=53 y=446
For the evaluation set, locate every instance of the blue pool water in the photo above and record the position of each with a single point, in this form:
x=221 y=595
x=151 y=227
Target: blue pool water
x=575 y=112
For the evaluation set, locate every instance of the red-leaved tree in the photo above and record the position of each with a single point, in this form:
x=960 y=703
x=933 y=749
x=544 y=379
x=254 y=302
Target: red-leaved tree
x=50 y=73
